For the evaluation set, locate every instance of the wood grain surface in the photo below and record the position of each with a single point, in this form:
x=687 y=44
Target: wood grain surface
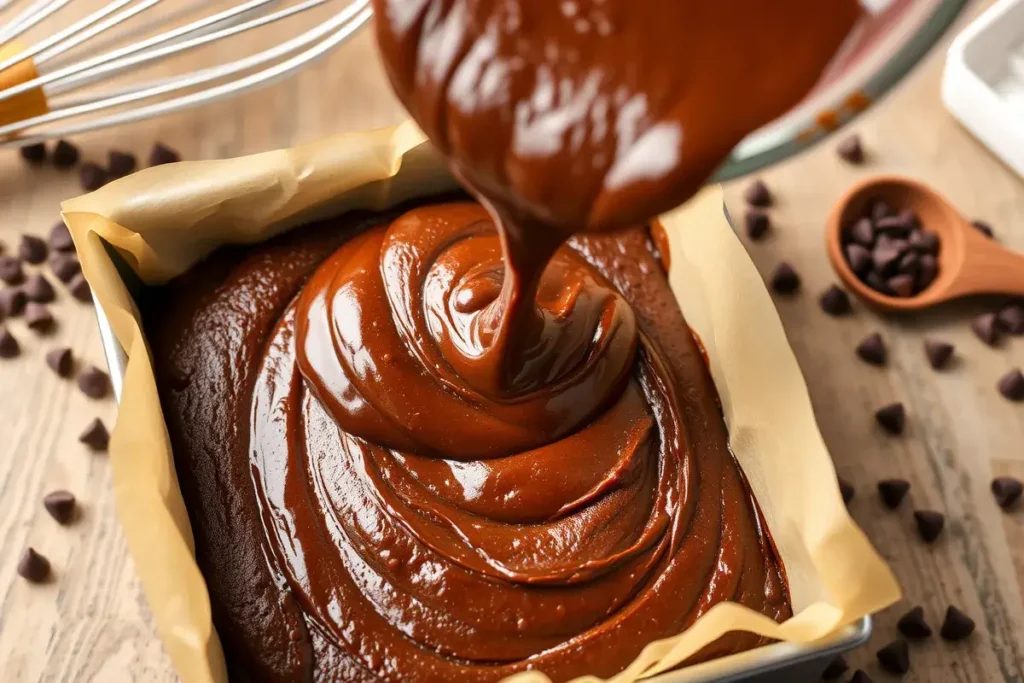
x=91 y=622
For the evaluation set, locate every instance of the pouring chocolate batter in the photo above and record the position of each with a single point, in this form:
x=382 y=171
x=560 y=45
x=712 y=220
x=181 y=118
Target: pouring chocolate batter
x=454 y=443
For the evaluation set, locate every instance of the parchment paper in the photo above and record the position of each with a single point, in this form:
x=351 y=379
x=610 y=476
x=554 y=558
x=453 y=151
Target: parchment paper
x=164 y=219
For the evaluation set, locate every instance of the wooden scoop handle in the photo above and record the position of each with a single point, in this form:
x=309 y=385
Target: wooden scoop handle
x=988 y=268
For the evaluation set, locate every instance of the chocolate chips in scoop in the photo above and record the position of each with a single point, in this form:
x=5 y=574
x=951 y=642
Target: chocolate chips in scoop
x=956 y=625
x=33 y=567
x=1007 y=491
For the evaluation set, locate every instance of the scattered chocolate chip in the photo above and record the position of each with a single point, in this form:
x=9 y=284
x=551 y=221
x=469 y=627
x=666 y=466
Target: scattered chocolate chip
x=836 y=668
x=95 y=436
x=924 y=242
x=860 y=677
x=1011 y=318
x=892 y=418
x=92 y=176
x=757 y=224
x=93 y=382
x=929 y=524
x=32 y=249
x=912 y=624
x=879 y=209
x=60 y=505
x=60 y=361
x=785 y=280
x=12 y=302
x=121 y=164
x=956 y=625
x=10 y=270
x=1011 y=385
x=835 y=301
x=939 y=353
x=893 y=491
x=927 y=269
x=34 y=154
x=758 y=194
x=872 y=350
x=862 y=232
x=858 y=257
x=65 y=266
x=39 y=289
x=901 y=285
x=38 y=317
x=65 y=155
x=851 y=150
x=1007 y=491
x=895 y=657
x=987 y=328
x=846 y=490
x=9 y=347
x=80 y=289
x=162 y=154
x=33 y=567
x=60 y=238
x=984 y=228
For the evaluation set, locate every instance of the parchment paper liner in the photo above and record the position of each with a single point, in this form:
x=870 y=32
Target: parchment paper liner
x=164 y=219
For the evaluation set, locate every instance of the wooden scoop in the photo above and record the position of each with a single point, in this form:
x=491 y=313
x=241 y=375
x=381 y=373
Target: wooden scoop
x=969 y=262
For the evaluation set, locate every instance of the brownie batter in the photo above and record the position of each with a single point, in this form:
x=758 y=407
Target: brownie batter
x=362 y=514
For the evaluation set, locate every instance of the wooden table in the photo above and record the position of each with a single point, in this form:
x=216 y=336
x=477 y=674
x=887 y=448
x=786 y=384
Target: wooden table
x=92 y=623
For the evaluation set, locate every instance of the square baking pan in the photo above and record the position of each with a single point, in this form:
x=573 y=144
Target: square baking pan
x=776 y=663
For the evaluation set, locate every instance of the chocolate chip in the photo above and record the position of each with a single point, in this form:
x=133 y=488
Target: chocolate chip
x=785 y=280
x=908 y=264
x=60 y=505
x=876 y=282
x=835 y=301
x=927 y=269
x=862 y=232
x=38 y=317
x=758 y=194
x=92 y=176
x=9 y=347
x=912 y=624
x=33 y=567
x=858 y=257
x=12 y=302
x=60 y=238
x=39 y=289
x=986 y=327
x=893 y=491
x=872 y=350
x=851 y=150
x=879 y=209
x=956 y=625
x=95 y=436
x=892 y=418
x=1007 y=491
x=162 y=154
x=860 y=677
x=899 y=225
x=93 y=382
x=929 y=524
x=846 y=490
x=984 y=228
x=65 y=155
x=34 y=154
x=757 y=224
x=836 y=668
x=895 y=657
x=32 y=249
x=79 y=289
x=887 y=253
x=1011 y=385
x=10 y=270
x=938 y=353
x=65 y=266
x=924 y=242
x=1011 y=318
x=60 y=361
x=121 y=164
x=901 y=285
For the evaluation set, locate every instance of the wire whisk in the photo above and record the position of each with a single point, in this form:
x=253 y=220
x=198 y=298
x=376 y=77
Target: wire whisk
x=47 y=87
